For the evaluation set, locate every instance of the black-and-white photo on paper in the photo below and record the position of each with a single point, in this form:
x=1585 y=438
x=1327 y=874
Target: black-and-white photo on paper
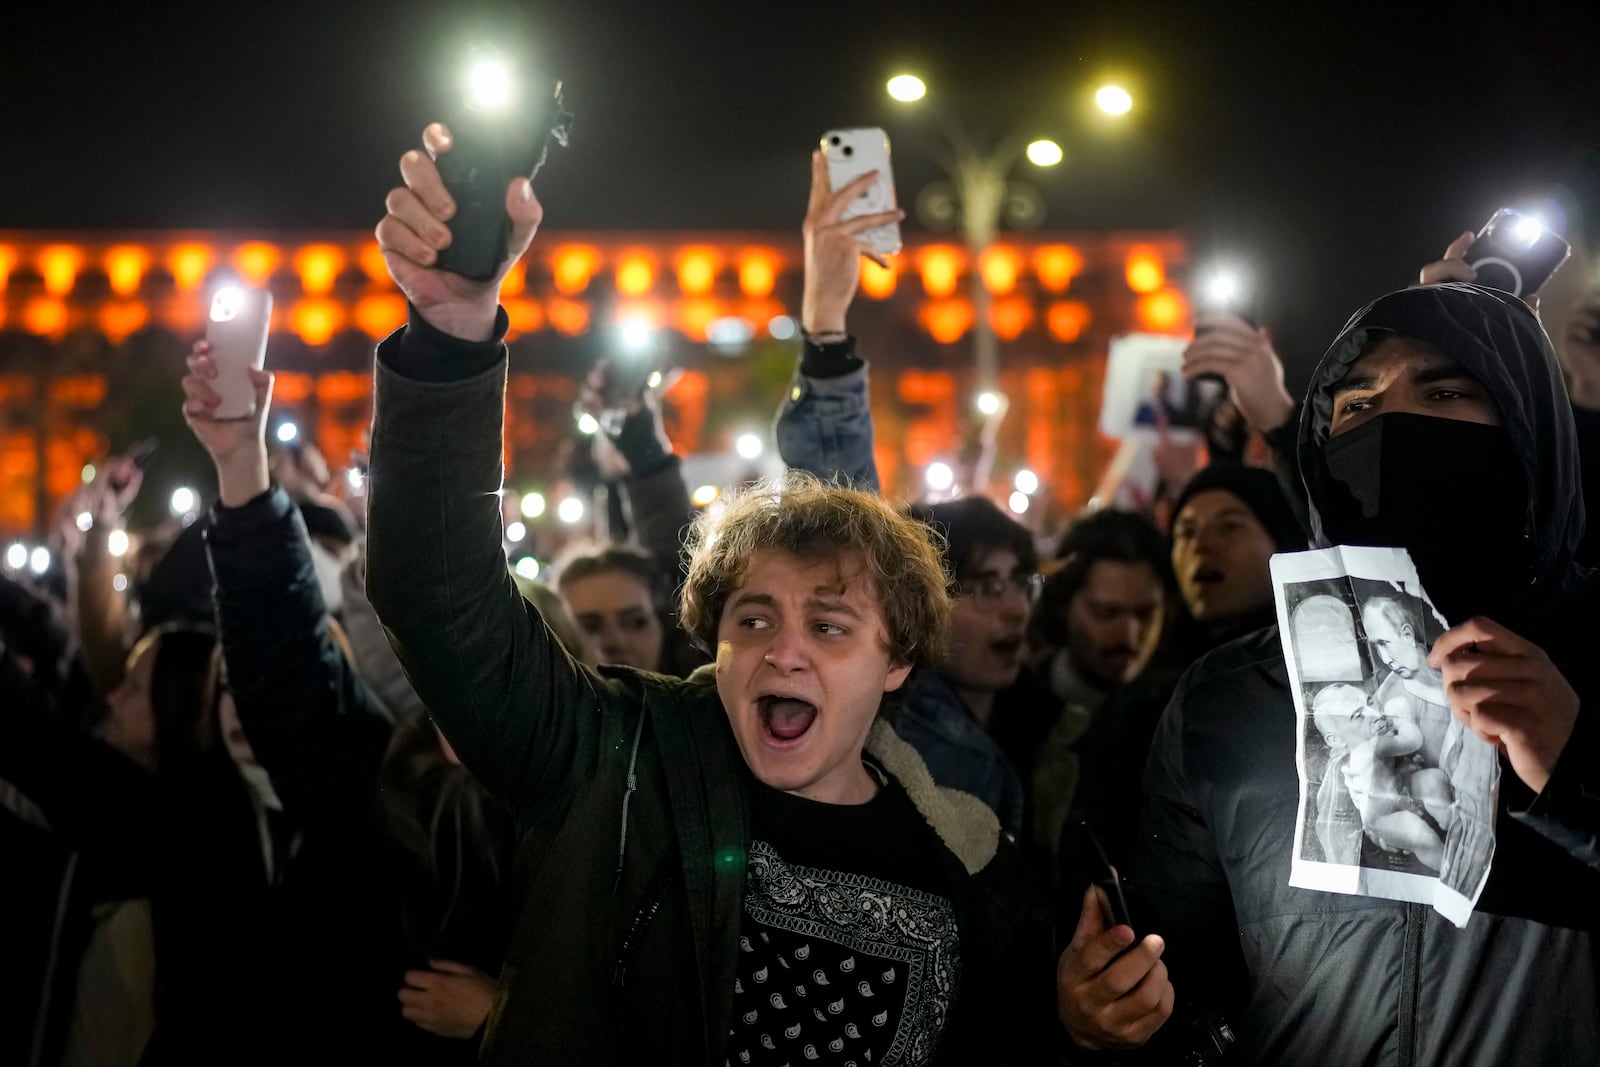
x=1397 y=797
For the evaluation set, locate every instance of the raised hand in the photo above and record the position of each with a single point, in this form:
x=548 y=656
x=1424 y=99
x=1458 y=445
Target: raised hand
x=238 y=447
x=415 y=229
x=1241 y=355
x=834 y=248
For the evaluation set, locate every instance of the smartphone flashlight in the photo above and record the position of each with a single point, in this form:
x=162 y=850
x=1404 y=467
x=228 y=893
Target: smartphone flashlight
x=1516 y=252
x=499 y=130
x=226 y=303
x=1223 y=289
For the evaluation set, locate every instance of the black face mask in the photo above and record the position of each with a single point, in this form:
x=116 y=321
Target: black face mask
x=1451 y=493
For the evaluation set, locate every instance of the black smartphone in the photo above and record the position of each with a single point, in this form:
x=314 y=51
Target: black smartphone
x=1102 y=874
x=497 y=133
x=1516 y=253
x=143 y=452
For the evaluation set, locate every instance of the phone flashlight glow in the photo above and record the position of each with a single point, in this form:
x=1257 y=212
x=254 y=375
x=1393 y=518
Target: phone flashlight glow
x=489 y=83
x=226 y=303
x=1223 y=289
x=1529 y=228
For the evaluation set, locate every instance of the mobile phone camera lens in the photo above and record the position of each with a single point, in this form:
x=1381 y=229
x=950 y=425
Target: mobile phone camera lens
x=849 y=151
x=833 y=140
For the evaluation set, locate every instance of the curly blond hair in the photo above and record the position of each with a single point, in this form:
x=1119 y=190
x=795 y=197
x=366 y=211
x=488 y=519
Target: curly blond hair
x=798 y=515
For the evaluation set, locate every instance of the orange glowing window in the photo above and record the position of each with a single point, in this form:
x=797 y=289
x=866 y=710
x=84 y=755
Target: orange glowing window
x=758 y=272
x=1010 y=317
x=525 y=316
x=125 y=267
x=1163 y=311
x=45 y=316
x=380 y=314
x=256 y=261
x=947 y=320
x=370 y=259
x=343 y=387
x=636 y=273
x=289 y=387
x=1056 y=266
x=316 y=320
x=941 y=268
x=999 y=267
x=516 y=279
x=697 y=270
x=1144 y=270
x=59 y=264
x=8 y=259
x=572 y=268
x=1066 y=320
x=877 y=282
x=120 y=318
x=189 y=264
x=318 y=267
x=694 y=317
x=569 y=317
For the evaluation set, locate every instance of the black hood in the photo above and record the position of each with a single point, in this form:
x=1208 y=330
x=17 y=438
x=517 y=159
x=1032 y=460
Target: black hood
x=1499 y=341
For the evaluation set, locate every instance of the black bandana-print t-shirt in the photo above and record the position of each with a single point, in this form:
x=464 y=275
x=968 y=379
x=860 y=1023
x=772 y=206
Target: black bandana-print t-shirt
x=849 y=949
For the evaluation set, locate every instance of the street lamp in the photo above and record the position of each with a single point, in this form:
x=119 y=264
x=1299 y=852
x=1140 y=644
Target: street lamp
x=1113 y=100
x=980 y=194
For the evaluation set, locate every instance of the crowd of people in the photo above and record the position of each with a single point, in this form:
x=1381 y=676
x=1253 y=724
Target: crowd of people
x=805 y=777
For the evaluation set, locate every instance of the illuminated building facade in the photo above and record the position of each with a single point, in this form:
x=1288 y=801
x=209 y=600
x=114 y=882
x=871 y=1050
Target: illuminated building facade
x=93 y=328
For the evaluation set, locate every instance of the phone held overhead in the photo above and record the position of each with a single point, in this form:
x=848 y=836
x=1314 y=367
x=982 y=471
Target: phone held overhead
x=852 y=153
x=1516 y=253
x=236 y=329
x=501 y=129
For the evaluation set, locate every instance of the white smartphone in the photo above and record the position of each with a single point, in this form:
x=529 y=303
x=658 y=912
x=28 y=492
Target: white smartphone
x=852 y=153
x=237 y=331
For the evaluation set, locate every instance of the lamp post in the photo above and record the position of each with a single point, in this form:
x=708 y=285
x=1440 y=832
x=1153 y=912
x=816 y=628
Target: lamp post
x=977 y=196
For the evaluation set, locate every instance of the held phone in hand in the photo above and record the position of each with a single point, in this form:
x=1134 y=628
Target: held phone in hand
x=1516 y=253
x=1102 y=874
x=496 y=134
x=852 y=153
x=237 y=331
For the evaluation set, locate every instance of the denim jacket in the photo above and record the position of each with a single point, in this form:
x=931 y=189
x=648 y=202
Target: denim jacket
x=825 y=427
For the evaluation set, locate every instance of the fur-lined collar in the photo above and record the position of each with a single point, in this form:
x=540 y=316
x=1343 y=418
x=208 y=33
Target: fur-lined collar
x=963 y=822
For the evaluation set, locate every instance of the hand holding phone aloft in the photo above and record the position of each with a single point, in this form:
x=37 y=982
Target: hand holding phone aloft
x=852 y=154
x=236 y=336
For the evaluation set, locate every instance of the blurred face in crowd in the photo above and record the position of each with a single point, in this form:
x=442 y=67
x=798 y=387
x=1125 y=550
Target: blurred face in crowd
x=618 y=618
x=1407 y=375
x=1113 y=621
x=802 y=666
x=1221 y=554
x=130 y=722
x=987 y=623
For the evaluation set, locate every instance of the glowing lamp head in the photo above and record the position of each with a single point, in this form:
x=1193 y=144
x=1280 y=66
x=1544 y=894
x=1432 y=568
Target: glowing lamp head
x=1113 y=100
x=1026 y=482
x=749 y=446
x=226 y=303
x=907 y=88
x=490 y=84
x=1528 y=229
x=939 y=477
x=990 y=403
x=288 y=432
x=1044 y=153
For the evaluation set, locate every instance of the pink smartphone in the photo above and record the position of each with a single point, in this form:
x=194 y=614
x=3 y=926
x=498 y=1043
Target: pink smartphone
x=237 y=331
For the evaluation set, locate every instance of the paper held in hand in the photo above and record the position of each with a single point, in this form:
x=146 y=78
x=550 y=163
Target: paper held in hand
x=1397 y=797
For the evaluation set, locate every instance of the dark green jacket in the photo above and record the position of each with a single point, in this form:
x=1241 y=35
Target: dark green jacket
x=629 y=787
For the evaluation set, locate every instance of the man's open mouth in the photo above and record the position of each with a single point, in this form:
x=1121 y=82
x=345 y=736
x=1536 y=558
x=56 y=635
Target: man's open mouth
x=1208 y=576
x=785 y=718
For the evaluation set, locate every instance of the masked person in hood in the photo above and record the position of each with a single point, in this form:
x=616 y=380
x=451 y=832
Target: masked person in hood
x=1437 y=422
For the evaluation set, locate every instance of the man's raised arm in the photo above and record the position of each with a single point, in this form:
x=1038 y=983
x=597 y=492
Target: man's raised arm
x=522 y=716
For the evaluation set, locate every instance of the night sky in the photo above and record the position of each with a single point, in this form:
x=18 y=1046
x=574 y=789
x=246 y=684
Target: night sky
x=1334 y=149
